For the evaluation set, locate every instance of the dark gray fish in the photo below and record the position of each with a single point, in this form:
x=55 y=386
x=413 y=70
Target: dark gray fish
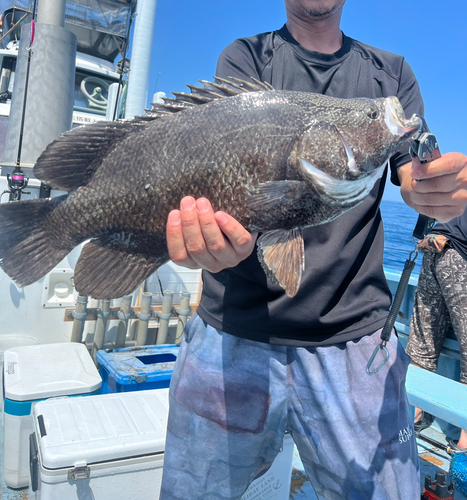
x=277 y=161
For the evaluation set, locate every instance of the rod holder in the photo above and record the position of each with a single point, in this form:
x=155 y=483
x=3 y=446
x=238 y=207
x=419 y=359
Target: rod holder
x=164 y=317
x=183 y=312
x=100 y=330
x=144 y=316
x=79 y=319
x=124 y=316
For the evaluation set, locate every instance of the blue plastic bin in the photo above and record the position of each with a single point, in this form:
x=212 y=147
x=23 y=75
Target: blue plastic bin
x=137 y=368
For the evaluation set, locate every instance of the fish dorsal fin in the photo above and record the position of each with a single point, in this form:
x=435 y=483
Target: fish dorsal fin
x=105 y=271
x=71 y=160
x=210 y=91
x=282 y=255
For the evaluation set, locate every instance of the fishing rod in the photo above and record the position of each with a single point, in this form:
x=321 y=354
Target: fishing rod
x=120 y=80
x=17 y=181
x=13 y=27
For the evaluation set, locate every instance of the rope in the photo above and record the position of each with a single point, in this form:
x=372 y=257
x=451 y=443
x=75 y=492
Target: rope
x=458 y=471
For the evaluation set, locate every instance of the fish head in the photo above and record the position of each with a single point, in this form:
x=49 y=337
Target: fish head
x=372 y=133
x=351 y=138
x=345 y=149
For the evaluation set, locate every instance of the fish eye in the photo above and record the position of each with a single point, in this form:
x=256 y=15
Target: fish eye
x=373 y=114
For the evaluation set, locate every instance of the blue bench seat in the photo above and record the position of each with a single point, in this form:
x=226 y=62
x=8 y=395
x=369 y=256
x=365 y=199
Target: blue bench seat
x=442 y=397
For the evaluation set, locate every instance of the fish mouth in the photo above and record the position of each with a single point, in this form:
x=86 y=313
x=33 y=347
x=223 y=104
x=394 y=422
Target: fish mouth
x=396 y=121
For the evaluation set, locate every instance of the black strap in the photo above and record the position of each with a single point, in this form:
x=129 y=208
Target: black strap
x=399 y=297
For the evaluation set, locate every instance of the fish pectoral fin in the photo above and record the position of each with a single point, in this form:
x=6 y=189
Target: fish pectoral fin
x=282 y=255
x=103 y=271
x=271 y=195
x=341 y=191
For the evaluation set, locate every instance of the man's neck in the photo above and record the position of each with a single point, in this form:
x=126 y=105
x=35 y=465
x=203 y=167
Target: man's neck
x=322 y=35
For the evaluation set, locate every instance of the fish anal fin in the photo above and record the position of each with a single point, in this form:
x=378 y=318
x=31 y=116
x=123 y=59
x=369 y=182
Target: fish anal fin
x=282 y=255
x=105 y=271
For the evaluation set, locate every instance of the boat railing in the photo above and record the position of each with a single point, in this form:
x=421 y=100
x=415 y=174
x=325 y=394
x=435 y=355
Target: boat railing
x=438 y=393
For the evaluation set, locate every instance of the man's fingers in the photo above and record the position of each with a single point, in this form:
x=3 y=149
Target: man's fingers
x=441 y=190
x=191 y=229
x=176 y=241
x=441 y=214
x=241 y=240
x=450 y=163
x=442 y=184
x=215 y=241
x=439 y=199
x=196 y=237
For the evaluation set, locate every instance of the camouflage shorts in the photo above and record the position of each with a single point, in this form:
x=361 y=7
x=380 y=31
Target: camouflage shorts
x=232 y=399
x=440 y=302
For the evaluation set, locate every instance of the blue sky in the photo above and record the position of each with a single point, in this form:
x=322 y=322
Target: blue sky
x=430 y=34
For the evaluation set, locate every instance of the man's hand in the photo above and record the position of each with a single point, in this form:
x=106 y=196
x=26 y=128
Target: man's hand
x=199 y=238
x=442 y=192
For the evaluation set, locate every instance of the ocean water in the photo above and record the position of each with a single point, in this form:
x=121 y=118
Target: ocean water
x=399 y=222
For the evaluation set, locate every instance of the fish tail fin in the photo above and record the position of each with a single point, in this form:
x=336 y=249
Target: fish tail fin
x=27 y=252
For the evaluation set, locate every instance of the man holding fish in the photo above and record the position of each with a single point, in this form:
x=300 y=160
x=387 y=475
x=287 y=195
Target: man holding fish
x=256 y=362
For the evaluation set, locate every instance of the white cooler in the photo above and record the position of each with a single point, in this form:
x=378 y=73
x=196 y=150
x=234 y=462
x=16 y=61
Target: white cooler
x=105 y=447
x=31 y=374
x=111 y=447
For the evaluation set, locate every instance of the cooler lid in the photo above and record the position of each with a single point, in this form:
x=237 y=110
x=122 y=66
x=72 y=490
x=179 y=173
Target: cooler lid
x=48 y=370
x=101 y=428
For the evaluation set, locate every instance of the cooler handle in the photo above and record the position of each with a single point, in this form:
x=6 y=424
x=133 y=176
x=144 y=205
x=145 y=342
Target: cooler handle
x=33 y=462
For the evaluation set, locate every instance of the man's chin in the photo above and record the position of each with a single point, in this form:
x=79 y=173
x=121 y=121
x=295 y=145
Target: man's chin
x=322 y=11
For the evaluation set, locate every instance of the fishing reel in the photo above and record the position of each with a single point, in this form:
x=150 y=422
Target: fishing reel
x=4 y=96
x=16 y=182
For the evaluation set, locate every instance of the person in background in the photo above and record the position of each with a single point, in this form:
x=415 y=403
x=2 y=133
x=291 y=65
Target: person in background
x=441 y=303
x=255 y=363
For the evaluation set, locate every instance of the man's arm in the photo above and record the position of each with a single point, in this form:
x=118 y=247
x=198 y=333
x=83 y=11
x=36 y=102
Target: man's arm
x=442 y=192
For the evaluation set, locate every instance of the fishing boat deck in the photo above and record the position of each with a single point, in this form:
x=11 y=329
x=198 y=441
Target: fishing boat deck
x=432 y=460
